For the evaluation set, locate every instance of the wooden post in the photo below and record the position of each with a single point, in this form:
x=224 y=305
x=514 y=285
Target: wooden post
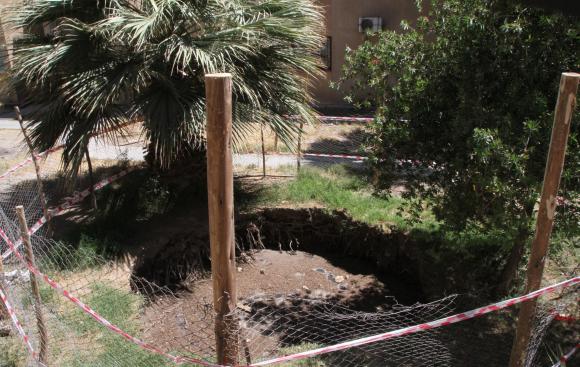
x=43 y=354
x=544 y=223
x=220 y=182
x=3 y=311
x=91 y=178
x=39 y=187
x=5 y=330
x=263 y=151
x=275 y=142
x=299 y=157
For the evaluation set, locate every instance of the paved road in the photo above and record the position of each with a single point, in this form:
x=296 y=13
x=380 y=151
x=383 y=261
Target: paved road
x=134 y=151
x=8 y=121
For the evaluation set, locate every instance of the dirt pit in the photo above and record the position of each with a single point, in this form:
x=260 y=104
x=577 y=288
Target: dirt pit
x=305 y=278
x=291 y=285
x=295 y=273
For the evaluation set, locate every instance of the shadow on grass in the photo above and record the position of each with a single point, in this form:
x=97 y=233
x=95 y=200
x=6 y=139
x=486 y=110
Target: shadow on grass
x=148 y=218
x=162 y=225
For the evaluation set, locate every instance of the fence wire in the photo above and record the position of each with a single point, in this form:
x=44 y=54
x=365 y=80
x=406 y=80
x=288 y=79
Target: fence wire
x=320 y=145
x=268 y=326
x=177 y=326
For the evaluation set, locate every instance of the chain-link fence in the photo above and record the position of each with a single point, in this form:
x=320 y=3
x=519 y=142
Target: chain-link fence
x=100 y=312
x=331 y=141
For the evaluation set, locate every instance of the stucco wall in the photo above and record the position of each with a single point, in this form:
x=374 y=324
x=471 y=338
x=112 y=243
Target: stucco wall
x=342 y=25
x=7 y=34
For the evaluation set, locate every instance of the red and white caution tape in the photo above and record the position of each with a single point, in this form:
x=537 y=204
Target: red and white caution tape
x=100 y=319
x=29 y=160
x=422 y=327
x=565 y=358
x=345 y=119
x=344 y=156
x=338 y=118
x=76 y=198
x=17 y=324
x=564 y=318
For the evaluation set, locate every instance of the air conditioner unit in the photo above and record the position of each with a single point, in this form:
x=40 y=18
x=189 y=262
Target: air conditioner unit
x=370 y=24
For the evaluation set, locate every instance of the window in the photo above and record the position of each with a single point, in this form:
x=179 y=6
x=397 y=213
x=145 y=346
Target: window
x=326 y=54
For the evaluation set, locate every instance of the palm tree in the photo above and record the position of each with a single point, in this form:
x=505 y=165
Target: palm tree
x=103 y=63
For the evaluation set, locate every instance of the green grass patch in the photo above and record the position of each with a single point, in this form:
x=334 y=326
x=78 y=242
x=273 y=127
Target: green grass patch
x=121 y=308
x=118 y=306
x=62 y=257
x=338 y=189
x=12 y=352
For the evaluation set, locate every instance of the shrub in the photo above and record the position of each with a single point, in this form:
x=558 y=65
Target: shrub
x=468 y=94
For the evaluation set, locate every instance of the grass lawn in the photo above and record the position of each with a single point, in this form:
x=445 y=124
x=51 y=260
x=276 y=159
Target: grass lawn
x=336 y=188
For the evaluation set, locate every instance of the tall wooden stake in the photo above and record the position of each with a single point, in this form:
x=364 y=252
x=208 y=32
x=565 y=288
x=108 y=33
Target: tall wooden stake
x=220 y=182
x=263 y=151
x=91 y=178
x=41 y=195
x=3 y=311
x=4 y=329
x=299 y=157
x=43 y=354
x=545 y=221
x=39 y=186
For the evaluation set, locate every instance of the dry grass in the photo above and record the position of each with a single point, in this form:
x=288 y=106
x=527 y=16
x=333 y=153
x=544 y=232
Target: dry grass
x=314 y=135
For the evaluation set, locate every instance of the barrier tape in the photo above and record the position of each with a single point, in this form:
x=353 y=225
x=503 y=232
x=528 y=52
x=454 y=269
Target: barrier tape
x=566 y=357
x=422 y=327
x=76 y=198
x=100 y=319
x=17 y=324
x=564 y=318
x=298 y=356
x=345 y=119
x=337 y=118
x=345 y=156
x=29 y=160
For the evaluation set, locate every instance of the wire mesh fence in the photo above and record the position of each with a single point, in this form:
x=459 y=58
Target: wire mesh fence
x=91 y=304
x=99 y=312
x=324 y=144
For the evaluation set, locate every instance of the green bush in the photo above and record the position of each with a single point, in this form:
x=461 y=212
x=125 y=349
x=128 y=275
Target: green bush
x=468 y=93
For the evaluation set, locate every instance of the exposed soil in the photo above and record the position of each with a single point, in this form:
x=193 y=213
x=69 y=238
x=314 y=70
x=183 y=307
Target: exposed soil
x=271 y=263
x=175 y=252
x=270 y=273
x=296 y=273
x=313 y=254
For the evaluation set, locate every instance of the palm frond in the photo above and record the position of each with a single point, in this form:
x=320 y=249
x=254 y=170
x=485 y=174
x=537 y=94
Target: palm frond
x=105 y=63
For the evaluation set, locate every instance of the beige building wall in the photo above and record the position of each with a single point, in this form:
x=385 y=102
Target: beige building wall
x=7 y=35
x=342 y=17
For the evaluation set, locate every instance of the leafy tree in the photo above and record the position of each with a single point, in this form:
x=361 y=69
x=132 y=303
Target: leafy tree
x=104 y=63
x=467 y=93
